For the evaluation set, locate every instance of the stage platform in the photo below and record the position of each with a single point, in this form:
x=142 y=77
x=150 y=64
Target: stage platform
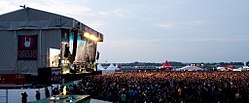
x=78 y=76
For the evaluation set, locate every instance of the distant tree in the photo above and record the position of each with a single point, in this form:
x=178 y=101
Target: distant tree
x=237 y=63
x=247 y=63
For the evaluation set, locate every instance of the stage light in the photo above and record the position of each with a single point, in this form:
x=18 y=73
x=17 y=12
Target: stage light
x=94 y=38
x=64 y=92
x=91 y=37
x=87 y=34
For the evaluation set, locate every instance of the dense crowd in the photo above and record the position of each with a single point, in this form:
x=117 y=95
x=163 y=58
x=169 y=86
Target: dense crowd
x=168 y=87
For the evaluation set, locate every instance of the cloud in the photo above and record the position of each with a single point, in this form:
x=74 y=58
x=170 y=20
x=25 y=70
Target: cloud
x=121 y=12
x=218 y=40
x=193 y=23
x=67 y=8
x=207 y=40
x=114 y=12
x=103 y=13
x=178 y=24
x=166 y=25
x=8 y=6
x=96 y=24
x=129 y=44
x=61 y=7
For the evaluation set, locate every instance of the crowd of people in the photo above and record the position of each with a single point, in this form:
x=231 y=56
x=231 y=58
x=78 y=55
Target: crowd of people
x=167 y=87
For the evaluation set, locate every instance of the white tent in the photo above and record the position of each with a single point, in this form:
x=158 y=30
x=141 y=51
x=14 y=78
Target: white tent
x=110 y=69
x=117 y=67
x=190 y=68
x=100 y=67
x=221 y=69
x=118 y=70
x=243 y=68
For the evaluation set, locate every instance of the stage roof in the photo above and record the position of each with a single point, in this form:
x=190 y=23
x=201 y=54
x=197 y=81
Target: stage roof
x=29 y=18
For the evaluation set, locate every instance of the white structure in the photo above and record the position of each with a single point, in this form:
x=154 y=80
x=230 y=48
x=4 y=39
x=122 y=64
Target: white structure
x=110 y=69
x=100 y=67
x=14 y=95
x=224 y=69
x=190 y=68
x=243 y=68
x=118 y=70
x=221 y=69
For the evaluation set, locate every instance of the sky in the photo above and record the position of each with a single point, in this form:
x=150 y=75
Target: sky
x=158 y=30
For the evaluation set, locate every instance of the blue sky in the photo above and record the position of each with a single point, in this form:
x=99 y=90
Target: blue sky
x=159 y=30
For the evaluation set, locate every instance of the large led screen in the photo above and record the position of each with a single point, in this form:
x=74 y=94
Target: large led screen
x=86 y=50
x=81 y=49
x=54 y=57
x=71 y=39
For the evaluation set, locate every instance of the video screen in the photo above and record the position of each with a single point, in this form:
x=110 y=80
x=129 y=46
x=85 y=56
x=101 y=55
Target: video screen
x=91 y=51
x=86 y=50
x=54 y=56
x=71 y=40
x=81 y=53
x=81 y=50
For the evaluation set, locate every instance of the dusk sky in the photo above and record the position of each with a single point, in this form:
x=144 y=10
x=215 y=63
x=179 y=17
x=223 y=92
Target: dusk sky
x=158 y=30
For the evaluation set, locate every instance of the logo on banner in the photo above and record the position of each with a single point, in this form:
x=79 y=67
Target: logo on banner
x=27 y=47
x=27 y=43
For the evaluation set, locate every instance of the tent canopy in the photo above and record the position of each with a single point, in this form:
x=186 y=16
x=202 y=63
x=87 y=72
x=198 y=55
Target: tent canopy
x=100 y=67
x=29 y=18
x=111 y=67
x=190 y=68
x=109 y=70
x=166 y=65
x=117 y=67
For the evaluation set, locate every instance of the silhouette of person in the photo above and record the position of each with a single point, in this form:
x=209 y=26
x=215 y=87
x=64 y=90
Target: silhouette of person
x=47 y=94
x=38 y=95
x=24 y=97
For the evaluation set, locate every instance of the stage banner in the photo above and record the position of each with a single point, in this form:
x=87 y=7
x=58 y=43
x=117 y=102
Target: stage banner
x=27 y=47
x=55 y=75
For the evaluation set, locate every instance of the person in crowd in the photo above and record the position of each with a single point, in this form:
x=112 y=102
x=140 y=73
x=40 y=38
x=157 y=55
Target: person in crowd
x=174 y=87
x=38 y=95
x=24 y=97
x=47 y=94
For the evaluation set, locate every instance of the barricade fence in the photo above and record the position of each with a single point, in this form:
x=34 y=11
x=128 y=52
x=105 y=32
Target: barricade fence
x=14 y=95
